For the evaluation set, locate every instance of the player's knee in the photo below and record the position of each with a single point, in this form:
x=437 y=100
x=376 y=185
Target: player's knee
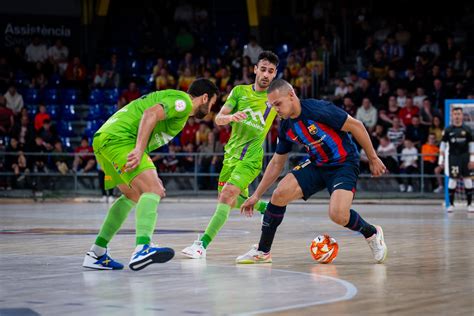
x=280 y=196
x=132 y=195
x=159 y=191
x=228 y=196
x=337 y=215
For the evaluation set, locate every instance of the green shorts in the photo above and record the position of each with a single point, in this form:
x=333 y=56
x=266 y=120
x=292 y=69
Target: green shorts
x=111 y=154
x=240 y=173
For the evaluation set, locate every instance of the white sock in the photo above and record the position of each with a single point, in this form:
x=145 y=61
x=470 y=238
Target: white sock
x=99 y=251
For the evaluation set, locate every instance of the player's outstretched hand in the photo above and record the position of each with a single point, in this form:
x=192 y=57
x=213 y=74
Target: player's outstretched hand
x=377 y=168
x=133 y=159
x=239 y=116
x=247 y=207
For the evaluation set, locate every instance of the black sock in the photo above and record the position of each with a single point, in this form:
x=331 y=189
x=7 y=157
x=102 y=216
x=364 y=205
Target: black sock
x=468 y=196
x=357 y=223
x=451 y=196
x=271 y=220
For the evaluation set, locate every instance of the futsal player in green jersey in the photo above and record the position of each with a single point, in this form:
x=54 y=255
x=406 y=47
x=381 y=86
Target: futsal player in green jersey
x=251 y=116
x=121 y=147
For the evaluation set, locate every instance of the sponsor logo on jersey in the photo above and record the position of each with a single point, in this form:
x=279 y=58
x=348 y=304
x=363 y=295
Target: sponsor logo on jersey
x=256 y=116
x=180 y=105
x=312 y=129
x=162 y=139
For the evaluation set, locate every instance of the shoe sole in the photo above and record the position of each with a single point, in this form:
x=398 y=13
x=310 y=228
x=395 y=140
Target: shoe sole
x=187 y=255
x=161 y=256
x=97 y=268
x=386 y=249
x=252 y=262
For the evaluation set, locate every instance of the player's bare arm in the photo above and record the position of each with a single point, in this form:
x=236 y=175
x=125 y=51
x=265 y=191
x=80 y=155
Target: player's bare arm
x=272 y=172
x=148 y=122
x=357 y=129
x=225 y=117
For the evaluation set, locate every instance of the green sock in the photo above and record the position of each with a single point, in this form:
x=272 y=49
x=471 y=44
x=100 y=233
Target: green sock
x=117 y=214
x=260 y=206
x=145 y=217
x=217 y=221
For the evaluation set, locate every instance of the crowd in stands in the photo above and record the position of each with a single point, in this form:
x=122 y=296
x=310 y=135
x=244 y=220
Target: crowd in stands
x=399 y=96
x=396 y=85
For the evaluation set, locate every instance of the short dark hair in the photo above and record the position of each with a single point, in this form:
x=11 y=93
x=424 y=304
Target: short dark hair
x=201 y=86
x=270 y=56
x=277 y=85
x=457 y=109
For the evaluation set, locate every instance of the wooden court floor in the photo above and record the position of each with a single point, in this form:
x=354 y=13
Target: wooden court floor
x=429 y=269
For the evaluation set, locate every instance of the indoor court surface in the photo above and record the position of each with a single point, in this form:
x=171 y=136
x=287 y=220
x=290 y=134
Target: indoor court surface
x=429 y=269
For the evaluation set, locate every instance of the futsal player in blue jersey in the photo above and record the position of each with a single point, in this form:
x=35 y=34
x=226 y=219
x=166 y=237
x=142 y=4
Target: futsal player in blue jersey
x=323 y=129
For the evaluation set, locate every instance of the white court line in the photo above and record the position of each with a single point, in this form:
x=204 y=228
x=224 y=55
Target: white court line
x=351 y=291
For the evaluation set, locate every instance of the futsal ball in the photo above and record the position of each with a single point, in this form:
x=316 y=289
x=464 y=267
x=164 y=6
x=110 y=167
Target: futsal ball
x=324 y=249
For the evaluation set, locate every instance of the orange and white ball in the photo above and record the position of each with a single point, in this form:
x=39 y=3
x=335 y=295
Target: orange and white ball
x=324 y=249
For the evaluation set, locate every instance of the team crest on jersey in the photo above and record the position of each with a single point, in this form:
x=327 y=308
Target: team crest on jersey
x=312 y=129
x=180 y=105
x=463 y=133
x=118 y=169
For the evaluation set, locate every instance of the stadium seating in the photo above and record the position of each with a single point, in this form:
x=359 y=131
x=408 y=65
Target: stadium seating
x=51 y=96
x=31 y=96
x=65 y=129
x=111 y=96
x=96 y=96
x=71 y=96
x=53 y=111
x=69 y=113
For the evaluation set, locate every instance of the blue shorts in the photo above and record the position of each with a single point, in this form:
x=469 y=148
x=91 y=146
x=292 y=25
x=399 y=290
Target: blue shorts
x=313 y=179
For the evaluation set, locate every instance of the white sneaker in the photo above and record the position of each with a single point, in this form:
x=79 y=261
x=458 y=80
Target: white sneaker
x=254 y=256
x=195 y=251
x=438 y=190
x=410 y=188
x=450 y=209
x=145 y=255
x=470 y=208
x=104 y=262
x=402 y=188
x=377 y=245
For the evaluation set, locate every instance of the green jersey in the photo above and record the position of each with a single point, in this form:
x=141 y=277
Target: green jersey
x=247 y=136
x=125 y=122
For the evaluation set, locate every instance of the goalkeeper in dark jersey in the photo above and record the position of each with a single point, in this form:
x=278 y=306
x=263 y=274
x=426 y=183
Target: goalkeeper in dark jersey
x=457 y=142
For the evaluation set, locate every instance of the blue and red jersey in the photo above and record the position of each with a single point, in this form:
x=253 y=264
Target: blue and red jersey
x=318 y=129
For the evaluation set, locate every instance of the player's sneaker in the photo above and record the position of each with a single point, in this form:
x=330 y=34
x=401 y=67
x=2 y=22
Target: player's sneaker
x=402 y=187
x=195 y=251
x=377 y=245
x=254 y=256
x=470 y=208
x=438 y=190
x=145 y=255
x=105 y=262
x=450 y=209
x=410 y=188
